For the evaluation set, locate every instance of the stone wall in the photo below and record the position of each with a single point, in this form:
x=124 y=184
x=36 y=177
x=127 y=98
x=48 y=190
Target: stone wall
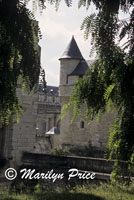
x=47 y=161
x=96 y=134
x=24 y=133
x=79 y=134
x=39 y=116
x=6 y=141
x=62 y=164
x=66 y=67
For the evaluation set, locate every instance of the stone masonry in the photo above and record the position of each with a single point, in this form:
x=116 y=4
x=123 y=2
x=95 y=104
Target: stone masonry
x=41 y=114
x=79 y=134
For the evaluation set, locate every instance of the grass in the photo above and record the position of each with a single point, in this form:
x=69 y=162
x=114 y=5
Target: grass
x=90 y=192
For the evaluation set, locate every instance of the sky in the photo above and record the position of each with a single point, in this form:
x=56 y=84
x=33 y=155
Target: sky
x=57 y=28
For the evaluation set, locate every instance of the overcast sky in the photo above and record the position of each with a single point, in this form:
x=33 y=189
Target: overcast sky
x=57 y=28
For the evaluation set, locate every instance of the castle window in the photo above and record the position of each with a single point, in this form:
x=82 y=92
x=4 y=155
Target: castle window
x=82 y=124
x=54 y=120
x=49 y=124
x=67 y=79
x=44 y=128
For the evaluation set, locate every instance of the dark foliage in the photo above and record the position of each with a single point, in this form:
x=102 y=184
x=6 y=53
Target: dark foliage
x=19 y=54
x=110 y=82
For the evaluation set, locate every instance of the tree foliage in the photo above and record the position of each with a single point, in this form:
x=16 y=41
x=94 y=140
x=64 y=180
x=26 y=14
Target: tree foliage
x=19 y=51
x=110 y=81
x=19 y=54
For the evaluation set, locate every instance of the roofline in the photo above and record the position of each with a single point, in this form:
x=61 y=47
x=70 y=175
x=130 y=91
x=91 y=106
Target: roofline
x=72 y=51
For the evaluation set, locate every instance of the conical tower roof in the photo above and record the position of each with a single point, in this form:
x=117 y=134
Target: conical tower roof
x=72 y=51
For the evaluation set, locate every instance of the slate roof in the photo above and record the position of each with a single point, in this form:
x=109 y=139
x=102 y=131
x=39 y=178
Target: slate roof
x=51 y=90
x=72 y=51
x=81 y=68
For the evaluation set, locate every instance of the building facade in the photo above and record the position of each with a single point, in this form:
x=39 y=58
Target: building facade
x=79 y=134
x=40 y=129
x=40 y=114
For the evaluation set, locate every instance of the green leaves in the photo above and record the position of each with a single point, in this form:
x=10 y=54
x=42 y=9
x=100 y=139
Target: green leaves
x=19 y=54
x=108 y=91
x=110 y=82
x=89 y=24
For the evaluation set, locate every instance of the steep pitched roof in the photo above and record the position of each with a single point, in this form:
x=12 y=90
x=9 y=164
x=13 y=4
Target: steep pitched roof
x=72 y=51
x=81 y=68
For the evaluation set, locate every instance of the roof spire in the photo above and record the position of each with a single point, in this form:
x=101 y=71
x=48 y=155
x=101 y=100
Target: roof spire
x=72 y=51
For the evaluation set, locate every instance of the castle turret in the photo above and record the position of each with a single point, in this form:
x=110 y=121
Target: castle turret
x=72 y=51
x=77 y=135
x=68 y=62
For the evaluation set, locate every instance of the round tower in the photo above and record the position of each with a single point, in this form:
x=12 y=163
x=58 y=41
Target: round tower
x=77 y=135
x=68 y=62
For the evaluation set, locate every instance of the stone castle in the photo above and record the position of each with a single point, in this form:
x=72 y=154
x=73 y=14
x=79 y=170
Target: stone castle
x=40 y=130
x=79 y=134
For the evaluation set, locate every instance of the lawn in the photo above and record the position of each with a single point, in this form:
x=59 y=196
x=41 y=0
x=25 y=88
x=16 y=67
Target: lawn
x=90 y=192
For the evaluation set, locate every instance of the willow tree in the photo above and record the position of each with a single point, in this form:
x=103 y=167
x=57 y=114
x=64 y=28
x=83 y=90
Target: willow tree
x=110 y=81
x=19 y=57
x=19 y=54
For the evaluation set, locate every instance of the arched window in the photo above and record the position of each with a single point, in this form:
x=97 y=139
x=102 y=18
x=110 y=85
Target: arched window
x=82 y=124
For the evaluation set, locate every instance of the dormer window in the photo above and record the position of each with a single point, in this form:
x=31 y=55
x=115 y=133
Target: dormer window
x=51 y=91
